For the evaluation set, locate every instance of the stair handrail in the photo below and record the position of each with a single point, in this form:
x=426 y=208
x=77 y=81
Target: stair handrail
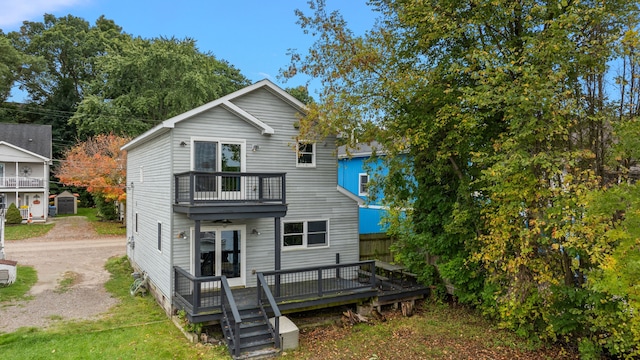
x=227 y=297
x=262 y=283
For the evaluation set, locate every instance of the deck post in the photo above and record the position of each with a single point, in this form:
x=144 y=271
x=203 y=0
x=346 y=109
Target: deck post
x=277 y=249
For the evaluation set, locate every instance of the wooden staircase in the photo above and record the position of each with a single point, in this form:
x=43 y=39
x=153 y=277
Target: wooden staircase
x=256 y=335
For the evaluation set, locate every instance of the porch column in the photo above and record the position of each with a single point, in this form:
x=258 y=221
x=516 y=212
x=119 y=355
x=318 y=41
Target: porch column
x=196 y=250
x=277 y=244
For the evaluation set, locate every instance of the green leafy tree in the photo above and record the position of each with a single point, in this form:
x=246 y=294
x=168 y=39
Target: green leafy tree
x=59 y=61
x=148 y=81
x=10 y=64
x=501 y=108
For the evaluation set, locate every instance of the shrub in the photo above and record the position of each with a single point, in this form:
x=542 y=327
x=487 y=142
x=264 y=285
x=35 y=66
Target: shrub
x=13 y=215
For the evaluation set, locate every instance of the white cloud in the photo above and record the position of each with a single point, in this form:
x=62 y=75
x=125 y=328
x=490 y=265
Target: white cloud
x=264 y=75
x=15 y=12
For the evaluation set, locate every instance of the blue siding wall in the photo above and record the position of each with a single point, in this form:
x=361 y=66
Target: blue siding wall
x=349 y=170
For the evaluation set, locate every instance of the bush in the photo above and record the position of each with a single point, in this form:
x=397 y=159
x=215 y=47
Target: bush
x=13 y=215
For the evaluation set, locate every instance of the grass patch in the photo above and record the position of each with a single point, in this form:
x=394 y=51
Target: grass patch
x=26 y=277
x=69 y=278
x=136 y=328
x=101 y=227
x=25 y=231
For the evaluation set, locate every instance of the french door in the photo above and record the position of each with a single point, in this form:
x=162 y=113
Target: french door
x=222 y=252
x=223 y=155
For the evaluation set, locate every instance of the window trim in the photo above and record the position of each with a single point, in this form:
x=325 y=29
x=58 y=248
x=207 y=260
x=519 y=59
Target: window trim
x=314 y=150
x=360 y=183
x=305 y=235
x=219 y=142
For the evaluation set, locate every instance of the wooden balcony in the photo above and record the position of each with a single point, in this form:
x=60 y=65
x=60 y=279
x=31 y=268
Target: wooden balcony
x=229 y=195
x=19 y=182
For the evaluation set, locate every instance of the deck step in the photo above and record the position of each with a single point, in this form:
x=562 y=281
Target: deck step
x=256 y=338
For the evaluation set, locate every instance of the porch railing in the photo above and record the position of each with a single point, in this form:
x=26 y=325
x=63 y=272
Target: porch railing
x=198 y=295
x=320 y=281
x=203 y=187
x=19 y=182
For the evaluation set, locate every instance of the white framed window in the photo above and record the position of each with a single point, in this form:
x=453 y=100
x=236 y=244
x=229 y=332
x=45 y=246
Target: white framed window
x=1 y=170
x=363 y=180
x=305 y=234
x=306 y=154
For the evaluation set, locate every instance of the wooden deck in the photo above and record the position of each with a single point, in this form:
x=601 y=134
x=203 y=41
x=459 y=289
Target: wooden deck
x=294 y=291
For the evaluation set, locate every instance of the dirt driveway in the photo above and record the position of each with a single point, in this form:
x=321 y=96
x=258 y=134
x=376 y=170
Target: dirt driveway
x=71 y=248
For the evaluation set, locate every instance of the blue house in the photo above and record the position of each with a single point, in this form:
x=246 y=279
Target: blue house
x=354 y=172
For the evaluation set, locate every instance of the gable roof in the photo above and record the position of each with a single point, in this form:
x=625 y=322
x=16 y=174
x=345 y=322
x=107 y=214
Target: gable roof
x=35 y=139
x=227 y=103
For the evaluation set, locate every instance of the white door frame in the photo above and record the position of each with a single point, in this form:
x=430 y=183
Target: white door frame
x=233 y=282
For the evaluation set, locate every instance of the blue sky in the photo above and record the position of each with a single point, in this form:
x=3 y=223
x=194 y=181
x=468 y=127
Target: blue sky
x=252 y=35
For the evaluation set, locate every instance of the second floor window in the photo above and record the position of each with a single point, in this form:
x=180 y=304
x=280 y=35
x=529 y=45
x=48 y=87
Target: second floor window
x=363 y=180
x=306 y=155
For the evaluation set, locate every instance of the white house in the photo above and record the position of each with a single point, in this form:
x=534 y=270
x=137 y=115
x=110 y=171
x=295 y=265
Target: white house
x=25 y=156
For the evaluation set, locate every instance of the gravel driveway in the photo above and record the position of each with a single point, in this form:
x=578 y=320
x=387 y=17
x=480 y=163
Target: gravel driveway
x=71 y=247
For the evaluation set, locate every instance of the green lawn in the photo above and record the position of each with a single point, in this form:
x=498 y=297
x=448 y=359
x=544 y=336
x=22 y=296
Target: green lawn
x=26 y=277
x=25 y=231
x=135 y=329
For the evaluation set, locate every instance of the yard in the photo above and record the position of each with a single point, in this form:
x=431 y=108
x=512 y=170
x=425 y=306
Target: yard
x=138 y=328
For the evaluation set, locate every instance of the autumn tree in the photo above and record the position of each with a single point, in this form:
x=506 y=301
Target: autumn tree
x=502 y=111
x=99 y=165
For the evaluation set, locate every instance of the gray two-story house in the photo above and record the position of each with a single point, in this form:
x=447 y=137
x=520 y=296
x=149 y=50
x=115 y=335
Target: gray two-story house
x=230 y=190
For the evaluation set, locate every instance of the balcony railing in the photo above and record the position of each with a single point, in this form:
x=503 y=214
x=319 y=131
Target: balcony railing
x=207 y=187
x=20 y=182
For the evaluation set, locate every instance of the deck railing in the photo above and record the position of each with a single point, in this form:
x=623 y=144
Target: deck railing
x=200 y=294
x=320 y=281
x=19 y=182
x=231 y=316
x=264 y=294
x=205 y=187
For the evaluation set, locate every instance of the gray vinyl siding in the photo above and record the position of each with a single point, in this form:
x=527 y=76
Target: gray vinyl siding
x=311 y=192
x=151 y=199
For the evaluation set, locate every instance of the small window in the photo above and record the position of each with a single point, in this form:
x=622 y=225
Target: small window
x=159 y=236
x=306 y=234
x=363 y=179
x=306 y=155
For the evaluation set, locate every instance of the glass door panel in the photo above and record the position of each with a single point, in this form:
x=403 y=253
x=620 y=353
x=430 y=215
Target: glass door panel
x=205 y=160
x=231 y=254
x=208 y=253
x=231 y=155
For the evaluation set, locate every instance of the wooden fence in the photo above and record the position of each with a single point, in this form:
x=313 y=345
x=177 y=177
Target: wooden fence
x=376 y=247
